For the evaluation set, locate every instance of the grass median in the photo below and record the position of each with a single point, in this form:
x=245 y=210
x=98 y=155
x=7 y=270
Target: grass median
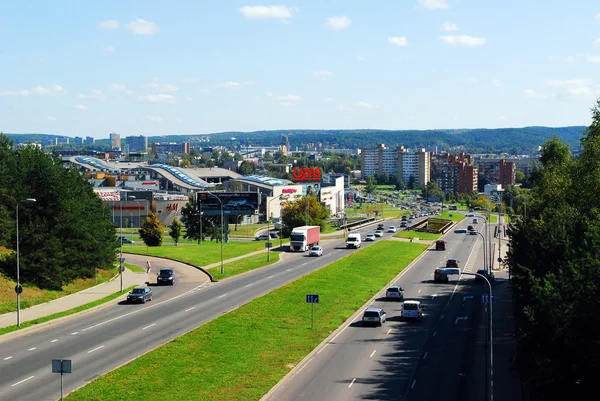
x=9 y=329
x=243 y=265
x=419 y=235
x=242 y=354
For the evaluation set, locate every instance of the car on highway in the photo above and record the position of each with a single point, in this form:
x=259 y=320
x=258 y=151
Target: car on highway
x=469 y=215
x=475 y=221
x=392 y=229
x=394 y=292
x=274 y=235
x=165 y=276
x=483 y=272
x=439 y=275
x=262 y=237
x=473 y=232
x=374 y=316
x=403 y=224
x=370 y=237
x=316 y=250
x=460 y=231
x=469 y=228
x=411 y=310
x=452 y=262
x=380 y=226
x=125 y=240
x=140 y=294
x=440 y=245
x=378 y=233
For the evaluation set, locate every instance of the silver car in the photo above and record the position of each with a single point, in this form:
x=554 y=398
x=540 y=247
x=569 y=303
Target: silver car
x=316 y=251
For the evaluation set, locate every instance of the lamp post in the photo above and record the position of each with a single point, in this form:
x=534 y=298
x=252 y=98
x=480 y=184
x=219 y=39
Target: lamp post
x=222 y=228
x=484 y=253
x=280 y=197
x=487 y=235
x=18 y=288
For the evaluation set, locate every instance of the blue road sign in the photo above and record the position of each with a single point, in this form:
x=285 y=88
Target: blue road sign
x=485 y=299
x=312 y=299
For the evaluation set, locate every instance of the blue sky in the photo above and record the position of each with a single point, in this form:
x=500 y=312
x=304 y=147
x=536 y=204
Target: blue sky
x=88 y=68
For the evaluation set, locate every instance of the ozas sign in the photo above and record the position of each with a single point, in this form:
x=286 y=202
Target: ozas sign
x=307 y=174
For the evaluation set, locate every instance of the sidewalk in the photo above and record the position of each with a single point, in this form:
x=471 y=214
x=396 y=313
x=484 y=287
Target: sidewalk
x=74 y=300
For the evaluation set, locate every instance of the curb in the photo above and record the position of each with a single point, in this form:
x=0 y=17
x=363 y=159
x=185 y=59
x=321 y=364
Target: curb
x=336 y=332
x=175 y=260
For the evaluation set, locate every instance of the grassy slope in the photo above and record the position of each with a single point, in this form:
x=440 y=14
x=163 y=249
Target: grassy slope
x=241 y=355
x=243 y=265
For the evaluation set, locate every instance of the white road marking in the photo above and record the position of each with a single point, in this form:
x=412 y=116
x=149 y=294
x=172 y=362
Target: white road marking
x=95 y=349
x=270 y=276
x=425 y=356
x=431 y=274
x=249 y=285
x=318 y=352
x=373 y=353
x=388 y=332
x=304 y=263
x=433 y=296
x=460 y=318
x=55 y=340
x=147 y=327
x=189 y=309
x=75 y=333
x=299 y=370
x=22 y=381
x=31 y=349
x=7 y=358
x=353 y=380
x=442 y=317
x=221 y=296
x=413 y=383
x=288 y=270
x=467 y=297
x=434 y=333
x=419 y=291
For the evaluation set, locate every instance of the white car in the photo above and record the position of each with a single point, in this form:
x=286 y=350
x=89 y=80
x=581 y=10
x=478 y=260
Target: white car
x=370 y=237
x=262 y=237
x=392 y=229
x=374 y=316
x=378 y=233
x=316 y=251
x=394 y=292
x=411 y=310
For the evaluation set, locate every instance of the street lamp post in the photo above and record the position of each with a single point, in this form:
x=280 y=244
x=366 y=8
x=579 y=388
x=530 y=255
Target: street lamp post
x=484 y=252
x=222 y=228
x=280 y=198
x=487 y=235
x=18 y=288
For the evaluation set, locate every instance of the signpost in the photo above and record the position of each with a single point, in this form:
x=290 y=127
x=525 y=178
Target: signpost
x=61 y=366
x=312 y=299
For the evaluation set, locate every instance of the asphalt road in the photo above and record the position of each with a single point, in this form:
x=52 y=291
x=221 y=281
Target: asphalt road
x=99 y=342
x=434 y=359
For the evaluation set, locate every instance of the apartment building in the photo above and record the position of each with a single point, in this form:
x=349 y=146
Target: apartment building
x=496 y=171
x=400 y=160
x=170 y=147
x=137 y=143
x=115 y=141
x=454 y=173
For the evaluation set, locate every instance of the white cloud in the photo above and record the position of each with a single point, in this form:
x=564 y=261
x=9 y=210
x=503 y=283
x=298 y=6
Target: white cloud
x=398 y=40
x=80 y=107
x=230 y=85
x=449 y=26
x=249 y=83
x=344 y=108
x=161 y=87
x=496 y=82
x=50 y=118
x=54 y=90
x=262 y=12
x=94 y=95
x=156 y=119
x=468 y=81
x=289 y=98
x=434 y=4
x=339 y=23
x=574 y=89
x=365 y=105
x=463 y=40
x=204 y=91
x=143 y=27
x=21 y=92
x=329 y=99
x=322 y=74
x=109 y=49
x=593 y=59
x=159 y=98
x=532 y=94
x=118 y=87
x=109 y=24
x=597 y=17
x=361 y=58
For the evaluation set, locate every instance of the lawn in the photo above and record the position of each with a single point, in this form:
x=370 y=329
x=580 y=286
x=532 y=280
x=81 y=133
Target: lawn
x=242 y=354
x=134 y=268
x=33 y=295
x=244 y=265
x=200 y=255
x=419 y=235
x=451 y=215
x=78 y=309
x=246 y=230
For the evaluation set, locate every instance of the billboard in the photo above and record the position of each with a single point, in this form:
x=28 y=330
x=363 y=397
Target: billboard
x=236 y=203
x=307 y=174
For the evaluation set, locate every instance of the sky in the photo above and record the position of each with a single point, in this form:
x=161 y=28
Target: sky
x=148 y=67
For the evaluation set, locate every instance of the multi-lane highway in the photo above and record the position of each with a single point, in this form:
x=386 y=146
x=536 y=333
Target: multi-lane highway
x=429 y=360
x=101 y=341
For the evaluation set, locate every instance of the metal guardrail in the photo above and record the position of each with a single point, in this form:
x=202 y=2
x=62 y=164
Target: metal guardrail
x=358 y=223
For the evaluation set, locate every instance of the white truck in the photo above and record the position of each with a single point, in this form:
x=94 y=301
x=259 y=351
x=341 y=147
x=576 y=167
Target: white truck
x=353 y=241
x=302 y=238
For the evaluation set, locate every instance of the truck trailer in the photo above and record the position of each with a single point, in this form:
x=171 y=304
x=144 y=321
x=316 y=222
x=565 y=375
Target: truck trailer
x=302 y=238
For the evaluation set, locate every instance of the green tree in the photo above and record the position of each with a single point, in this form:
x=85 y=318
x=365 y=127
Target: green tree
x=151 y=230
x=294 y=213
x=412 y=182
x=246 y=168
x=237 y=157
x=370 y=187
x=432 y=189
x=175 y=231
x=236 y=187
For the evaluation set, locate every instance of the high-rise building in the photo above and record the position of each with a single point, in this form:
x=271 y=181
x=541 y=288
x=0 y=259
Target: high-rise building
x=89 y=140
x=137 y=143
x=78 y=140
x=171 y=147
x=401 y=161
x=115 y=141
x=497 y=171
x=456 y=173
x=414 y=164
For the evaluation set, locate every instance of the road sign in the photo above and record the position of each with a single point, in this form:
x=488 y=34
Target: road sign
x=18 y=288
x=499 y=260
x=61 y=366
x=485 y=299
x=312 y=299
x=121 y=268
x=268 y=244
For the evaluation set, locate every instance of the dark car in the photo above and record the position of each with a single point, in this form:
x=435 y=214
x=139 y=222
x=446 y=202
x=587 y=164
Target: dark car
x=440 y=245
x=452 y=262
x=140 y=294
x=166 y=276
x=483 y=272
x=380 y=226
x=125 y=240
x=273 y=235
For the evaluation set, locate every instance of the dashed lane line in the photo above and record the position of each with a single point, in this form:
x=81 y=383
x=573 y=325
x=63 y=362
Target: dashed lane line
x=95 y=349
x=147 y=327
x=221 y=296
x=22 y=381
x=352 y=382
x=372 y=353
x=189 y=309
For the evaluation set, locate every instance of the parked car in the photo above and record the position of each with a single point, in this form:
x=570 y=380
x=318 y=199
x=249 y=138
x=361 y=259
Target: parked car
x=378 y=233
x=392 y=229
x=316 y=250
x=411 y=310
x=440 y=245
x=374 y=316
x=394 y=292
x=126 y=240
x=370 y=237
x=483 y=272
x=140 y=294
x=262 y=237
x=166 y=276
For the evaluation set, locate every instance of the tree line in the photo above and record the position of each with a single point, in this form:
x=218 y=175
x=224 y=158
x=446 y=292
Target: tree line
x=555 y=269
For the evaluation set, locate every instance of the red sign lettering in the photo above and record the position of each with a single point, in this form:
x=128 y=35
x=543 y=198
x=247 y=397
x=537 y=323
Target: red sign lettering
x=288 y=191
x=172 y=207
x=307 y=174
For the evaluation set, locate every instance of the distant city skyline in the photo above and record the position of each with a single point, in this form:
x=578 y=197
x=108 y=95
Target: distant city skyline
x=154 y=68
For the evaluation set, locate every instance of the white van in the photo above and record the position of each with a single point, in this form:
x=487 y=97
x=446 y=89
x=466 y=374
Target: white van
x=353 y=241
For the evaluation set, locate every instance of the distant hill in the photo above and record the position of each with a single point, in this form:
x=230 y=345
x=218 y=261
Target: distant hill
x=480 y=140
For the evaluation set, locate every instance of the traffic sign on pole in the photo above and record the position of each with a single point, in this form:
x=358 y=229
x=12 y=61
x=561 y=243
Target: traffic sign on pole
x=18 y=288
x=312 y=299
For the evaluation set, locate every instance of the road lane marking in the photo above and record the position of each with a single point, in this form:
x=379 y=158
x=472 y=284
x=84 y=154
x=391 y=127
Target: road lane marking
x=7 y=358
x=441 y=317
x=221 y=296
x=467 y=297
x=425 y=356
x=325 y=346
x=433 y=296
x=351 y=383
x=55 y=340
x=22 y=381
x=31 y=349
x=304 y=263
x=434 y=333
x=249 y=285
x=419 y=291
x=189 y=309
x=75 y=333
x=95 y=349
x=460 y=318
x=147 y=327
x=431 y=274
x=288 y=270
x=373 y=353
x=413 y=383
x=270 y=276
x=388 y=332
x=307 y=362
